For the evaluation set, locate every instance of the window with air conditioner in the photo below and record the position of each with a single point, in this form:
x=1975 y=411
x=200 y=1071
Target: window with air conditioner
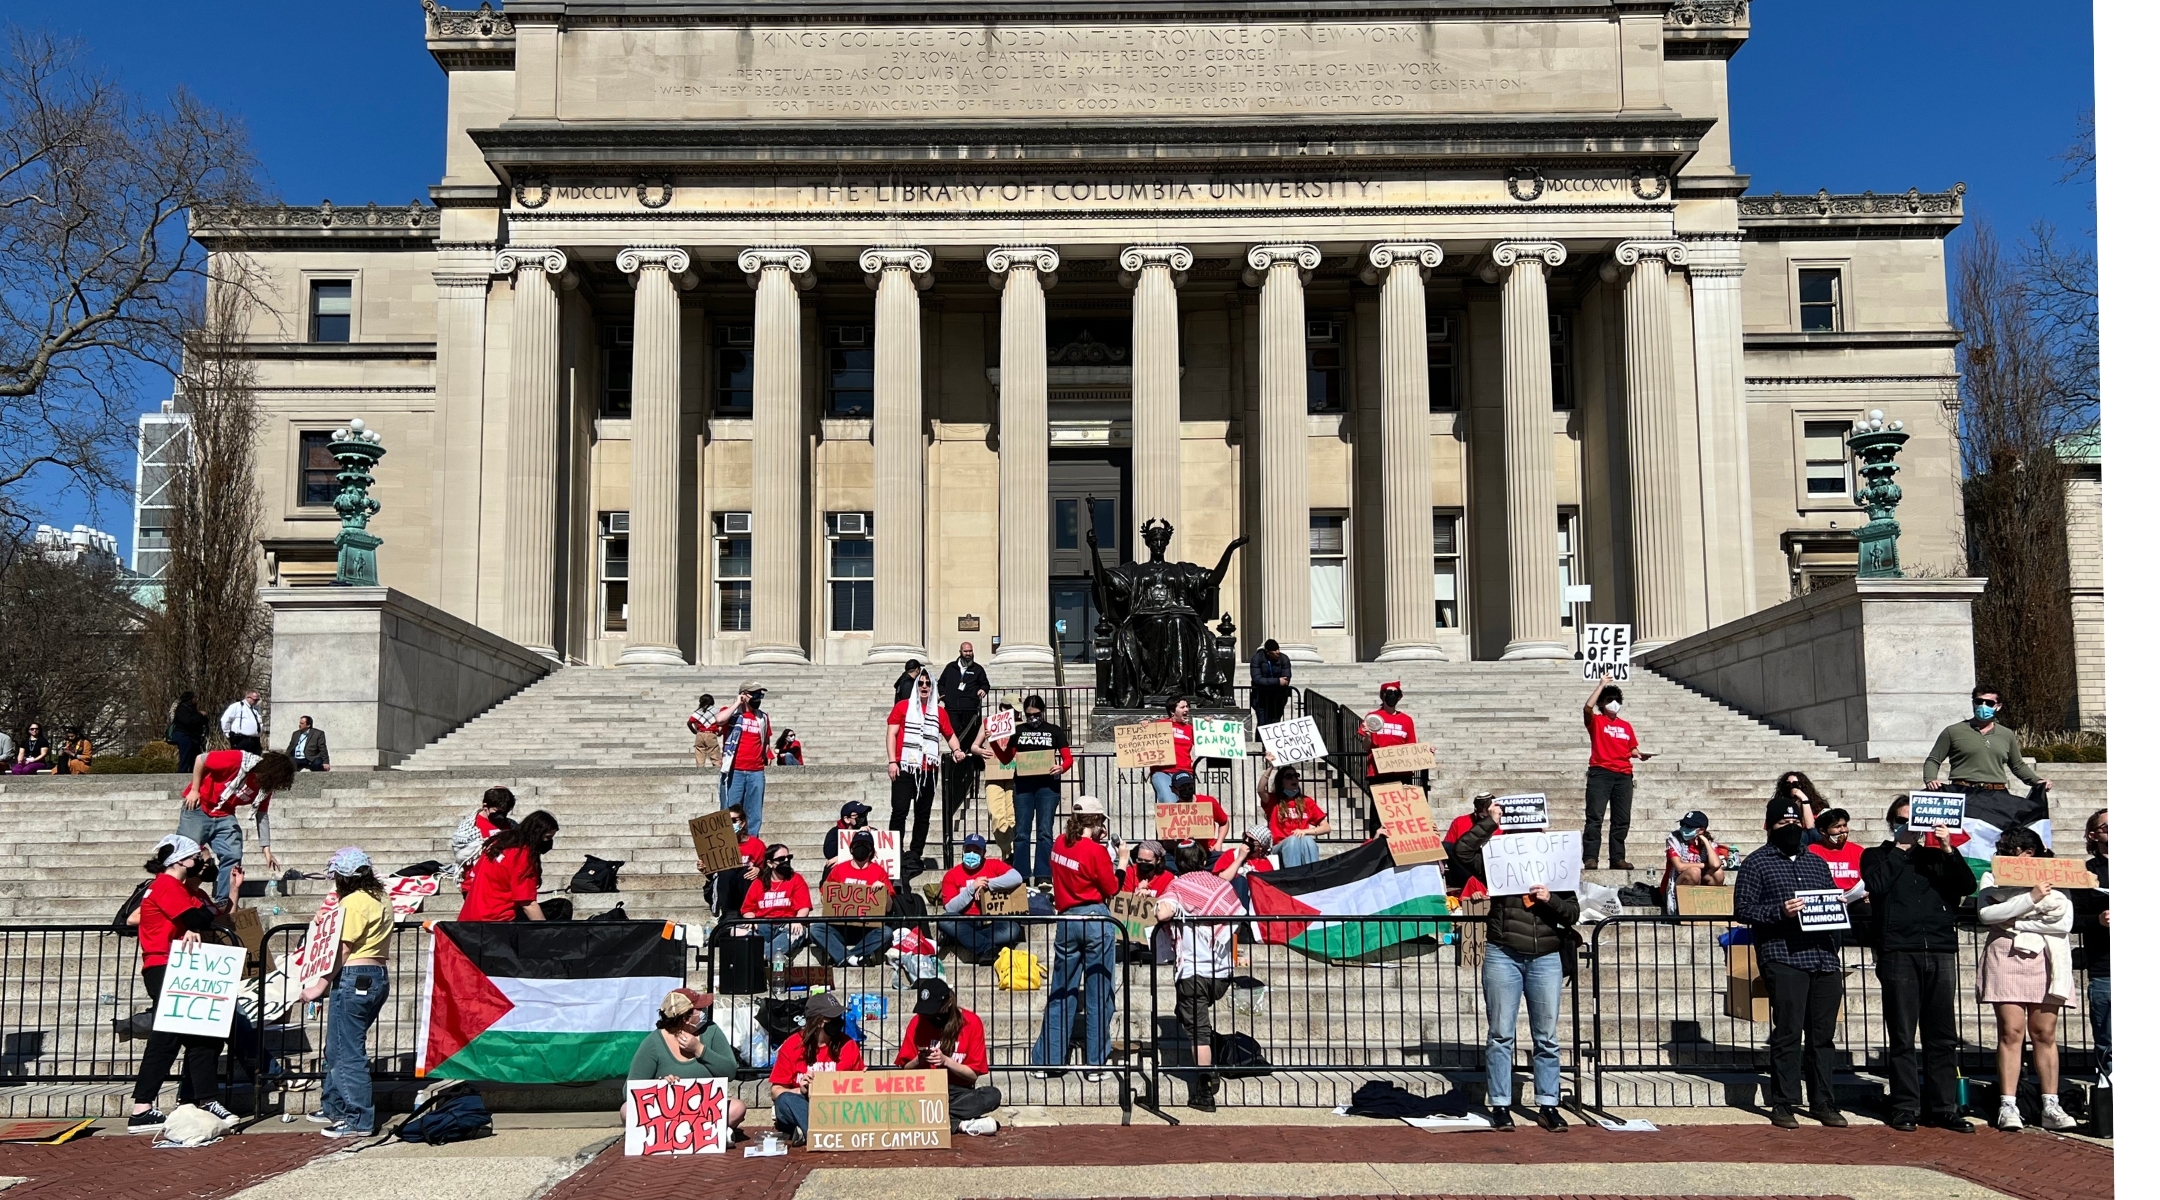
x=850 y=572
x=614 y=572
x=1330 y=570
x=731 y=572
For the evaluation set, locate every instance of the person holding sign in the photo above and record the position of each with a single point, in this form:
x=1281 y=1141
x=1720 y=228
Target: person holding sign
x=1527 y=937
x=1387 y=725
x=966 y=886
x=822 y=1045
x=847 y=944
x=358 y=983
x=942 y=1034
x=1181 y=738
x=686 y=1044
x=1611 y=780
x=1040 y=754
x=1294 y=820
x=1916 y=891
x=918 y=736
x=1801 y=966
x=1081 y=882
x=1184 y=789
x=175 y=912
x=2025 y=973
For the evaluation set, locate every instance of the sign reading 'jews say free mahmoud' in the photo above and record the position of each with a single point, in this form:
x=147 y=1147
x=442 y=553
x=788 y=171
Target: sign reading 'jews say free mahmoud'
x=683 y=1116
x=879 y=1110
x=202 y=985
x=1406 y=818
x=1517 y=862
x=1294 y=741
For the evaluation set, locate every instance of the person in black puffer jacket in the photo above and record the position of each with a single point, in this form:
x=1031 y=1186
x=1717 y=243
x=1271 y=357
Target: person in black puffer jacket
x=1916 y=888
x=1528 y=939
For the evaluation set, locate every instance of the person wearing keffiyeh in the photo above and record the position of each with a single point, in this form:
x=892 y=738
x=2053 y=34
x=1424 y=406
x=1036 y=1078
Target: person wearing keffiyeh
x=223 y=782
x=919 y=735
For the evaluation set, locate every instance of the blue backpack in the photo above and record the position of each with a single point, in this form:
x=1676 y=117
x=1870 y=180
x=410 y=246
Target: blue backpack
x=451 y=1117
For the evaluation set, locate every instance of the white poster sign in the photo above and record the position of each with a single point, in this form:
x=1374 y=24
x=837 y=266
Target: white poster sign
x=202 y=986
x=1606 y=648
x=888 y=853
x=1930 y=809
x=319 y=952
x=1823 y=910
x=1517 y=862
x=999 y=725
x=1293 y=741
x=1218 y=738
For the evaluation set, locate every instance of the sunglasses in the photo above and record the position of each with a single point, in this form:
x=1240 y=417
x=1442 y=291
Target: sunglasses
x=781 y=862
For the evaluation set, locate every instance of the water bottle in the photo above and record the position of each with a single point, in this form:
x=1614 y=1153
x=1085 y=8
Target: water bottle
x=771 y=1144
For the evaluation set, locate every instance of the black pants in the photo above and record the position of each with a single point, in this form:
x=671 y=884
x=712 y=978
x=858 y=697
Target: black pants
x=244 y=741
x=913 y=790
x=1372 y=810
x=1803 y=1030
x=198 y=1075
x=1600 y=789
x=1268 y=702
x=1919 y=988
x=966 y=1104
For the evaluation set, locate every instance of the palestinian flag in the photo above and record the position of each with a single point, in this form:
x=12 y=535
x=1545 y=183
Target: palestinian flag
x=542 y=1002
x=1362 y=882
x=1989 y=813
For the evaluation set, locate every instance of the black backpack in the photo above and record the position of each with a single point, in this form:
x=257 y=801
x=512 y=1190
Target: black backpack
x=454 y=1115
x=597 y=875
x=134 y=901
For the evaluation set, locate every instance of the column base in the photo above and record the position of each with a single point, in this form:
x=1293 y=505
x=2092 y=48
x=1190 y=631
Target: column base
x=651 y=656
x=1024 y=656
x=1640 y=648
x=778 y=654
x=1301 y=653
x=1531 y=650
x=1411 y=652
x=896 y=654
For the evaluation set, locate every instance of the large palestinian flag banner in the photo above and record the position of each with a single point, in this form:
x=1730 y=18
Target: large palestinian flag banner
x=1361 y=882
x=542 y=1002
x=1989 y=813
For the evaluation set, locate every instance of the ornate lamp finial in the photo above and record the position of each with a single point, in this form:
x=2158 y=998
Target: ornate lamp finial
x=357 y=449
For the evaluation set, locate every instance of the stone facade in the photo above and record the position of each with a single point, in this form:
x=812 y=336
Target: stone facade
x=1450 y=311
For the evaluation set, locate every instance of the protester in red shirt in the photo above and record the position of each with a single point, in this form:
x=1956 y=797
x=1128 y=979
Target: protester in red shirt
x=1611 y=780
x=1295 y=821
x=964 y=886
x=822 y=1045
x=849 y=944
x=1387 y=725
x=1181 y=743
x=491 y=818
x=1249 y=856
x=1832 y=842
x=1081 y=884
x=1184 y=789
x=745 y=753
x=506 y=880
x=918 y=736
x=222 y=783
x=778 y=893
x=174 y=913
x=943 y=1034
x=1148 y=871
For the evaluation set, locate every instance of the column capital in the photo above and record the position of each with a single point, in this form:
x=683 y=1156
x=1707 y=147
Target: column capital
x=1139 y=258
x=1386 y=254
x=913 y=259
x=674 y=259
x=1507 y=254
x=756 y=260
x=1040 y=259
x=1260 y=258
x=1627 y=254
x=512 y=259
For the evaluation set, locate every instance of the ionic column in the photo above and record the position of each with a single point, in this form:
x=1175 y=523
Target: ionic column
x=1527 y=457
x=1405 y=449
x=776 y=454
x=1023 y=454
x=897 y=458
x=461 y=295
x=1657 y=525
x=655 y=451
x=1714 y=269
x=1285 y=511
x=1155 y=273
x=535 y=426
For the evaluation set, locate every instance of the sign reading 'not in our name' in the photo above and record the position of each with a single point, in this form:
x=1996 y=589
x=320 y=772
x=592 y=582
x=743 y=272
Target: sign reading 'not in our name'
x=1517 y=862
x=879 y=1110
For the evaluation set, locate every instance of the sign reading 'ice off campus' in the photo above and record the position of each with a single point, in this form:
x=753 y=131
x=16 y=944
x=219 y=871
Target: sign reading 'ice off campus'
x=1517 y=862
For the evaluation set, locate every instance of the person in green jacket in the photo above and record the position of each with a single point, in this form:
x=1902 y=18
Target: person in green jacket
x=685 y=1044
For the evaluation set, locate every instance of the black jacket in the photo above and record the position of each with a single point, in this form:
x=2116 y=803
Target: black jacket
x=1544 y=927
x=2087 y=904
x=957 y=687
x=1915 y=894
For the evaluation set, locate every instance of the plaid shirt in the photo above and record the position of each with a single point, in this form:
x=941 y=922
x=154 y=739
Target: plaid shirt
x=1767 y=880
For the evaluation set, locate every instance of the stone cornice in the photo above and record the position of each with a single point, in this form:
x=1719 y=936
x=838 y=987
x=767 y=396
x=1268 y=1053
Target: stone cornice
x=338 y=350
x=1853 y=339
x=481 y=39
x=735 y=12
x=1912 y=213
x=266 y=224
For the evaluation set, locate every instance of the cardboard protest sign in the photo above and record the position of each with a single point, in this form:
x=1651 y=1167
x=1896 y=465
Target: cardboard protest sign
x=1293 y=741
x=1395 y=760
x=1147 y=744
x=688 y=1116
x=854 y=898
x=994 y=771
x=1407 y=820
x=1035 y=762
x=1823 y=909
x=714 y=836
x=1214 y=737
x=1134 y=913
x=994 y=903
x=1606 y=648
x=879 y=1110
x=1521 y=814
x=202 y=986
x=1930 y=809
x=1517 y=862
x=1000 y=724
x=408 y=892
x=2055 y=872
x=319 y=951
x=248 y=927
x=1179 y=822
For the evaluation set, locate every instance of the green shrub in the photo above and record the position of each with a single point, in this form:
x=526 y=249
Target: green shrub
x=155 y=758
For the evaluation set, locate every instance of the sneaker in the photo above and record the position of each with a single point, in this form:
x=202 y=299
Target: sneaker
x=1094 y=1076
x=1783 y=1118
x=149 y=1121
x=853 y=960
x=2007 y=1119
x=223 y=1114
x=1502 y=1120
x=342 y=1130
x=979 y=1127
x=322 y=1118
x=1550 y=1120
x=2053 y=1117
x=1046 y=1074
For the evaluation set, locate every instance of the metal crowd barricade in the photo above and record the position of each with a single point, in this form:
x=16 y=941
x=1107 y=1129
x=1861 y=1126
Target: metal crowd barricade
x=61 y=989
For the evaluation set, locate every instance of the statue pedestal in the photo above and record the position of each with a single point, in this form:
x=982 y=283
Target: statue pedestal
x=1105 y=720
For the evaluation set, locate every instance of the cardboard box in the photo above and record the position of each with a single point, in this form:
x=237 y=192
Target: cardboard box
x=1747 y=999
x=1740 y=962
x=1696 y=901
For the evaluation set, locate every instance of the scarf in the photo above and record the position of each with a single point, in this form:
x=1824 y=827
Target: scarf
x=238 y=786
x=705 y=719
x=921 y=742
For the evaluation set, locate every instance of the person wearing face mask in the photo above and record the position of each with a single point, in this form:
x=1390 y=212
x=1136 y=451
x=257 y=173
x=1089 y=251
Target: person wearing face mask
x=1035 y=796
x=962 y=891
x=1981 y=754
x=854 y=815
x=962 y=687
x=1082 y=882
x=997 y=785
x=1611 y=780
x=745 y=753
x=848 y=944
x=1802 y=968
x=1692 y=857
x=1916 y=887
x=1387 y=725
x=726 y=890
x=506 y=880
x=175 y=912
x=1294 y=820
x=686 y=1044
x=1831 y=841
x=779 y=894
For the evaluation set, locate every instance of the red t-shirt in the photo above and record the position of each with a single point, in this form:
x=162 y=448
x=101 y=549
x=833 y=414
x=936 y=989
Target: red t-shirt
x=1396 y=729
x=1844 y=862
x=500 y=883
x=1129 y=880
x=1181 y=742
x=898 y=717
x=753 y=850
x=969 y=1049
x=790 y=898
x=1253 y=864
x=487 y=830
x=1612 y=741
x=789 y=1068
x=958 y=876
x=166 y=900
x=1288 y=818
x=1458 y=827
x=1080 y=873
x=219 y=768
x=751 y=730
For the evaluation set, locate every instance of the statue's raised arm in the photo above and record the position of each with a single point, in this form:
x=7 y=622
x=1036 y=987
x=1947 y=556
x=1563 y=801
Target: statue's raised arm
x=1222 y=567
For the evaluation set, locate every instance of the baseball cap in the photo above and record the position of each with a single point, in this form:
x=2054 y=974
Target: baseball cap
x=173 y=847
x=350 y=861
x=931 y=996
x=1778 y=810
x=1089 y=806
x=1394 y=685
x=1183 y=777
x=854 y=808
x=752 y=686
x=1695 y=820
x=682 y=1000
x=824 y=1004
x=975 y=840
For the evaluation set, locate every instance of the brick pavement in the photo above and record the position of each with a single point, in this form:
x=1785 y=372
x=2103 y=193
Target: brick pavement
x=91 y=1167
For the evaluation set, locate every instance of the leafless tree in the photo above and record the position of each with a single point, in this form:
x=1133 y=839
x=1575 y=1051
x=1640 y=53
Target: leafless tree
x=98 y=278
x=68 y=634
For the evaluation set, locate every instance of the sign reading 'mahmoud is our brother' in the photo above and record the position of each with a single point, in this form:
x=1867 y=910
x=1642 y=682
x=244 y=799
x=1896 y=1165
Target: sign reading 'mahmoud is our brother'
x=1192 y=69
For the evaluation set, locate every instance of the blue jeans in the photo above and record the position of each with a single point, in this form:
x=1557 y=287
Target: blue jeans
x=222 y=835
x=980 y=939
x=1034 y=828
x=869 y=940
x=746 y=788
x=348 y=1085
x=2099 y=997
x=1160 y=781
x=1298 y=851
x=1084 y=960
x=1510 y=978
x=779 y=943
x=791 y=1113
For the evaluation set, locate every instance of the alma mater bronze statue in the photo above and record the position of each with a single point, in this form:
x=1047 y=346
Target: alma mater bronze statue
x=1153 y=642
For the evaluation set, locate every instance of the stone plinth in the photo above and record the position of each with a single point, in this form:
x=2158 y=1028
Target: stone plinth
x=381 y=673
x=1872 y=668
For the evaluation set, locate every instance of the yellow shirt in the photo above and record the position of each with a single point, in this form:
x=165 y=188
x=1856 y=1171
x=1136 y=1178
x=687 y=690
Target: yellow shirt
x=366 y=924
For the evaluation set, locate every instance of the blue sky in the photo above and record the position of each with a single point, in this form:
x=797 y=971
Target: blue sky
x=344 y=102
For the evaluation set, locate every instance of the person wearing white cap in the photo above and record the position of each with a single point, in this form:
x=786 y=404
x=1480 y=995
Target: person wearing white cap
x=358 y=984
x=1081 y=883
x=174 y=912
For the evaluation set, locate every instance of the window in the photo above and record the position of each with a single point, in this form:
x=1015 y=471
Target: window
x=1822 y=297
x=614 y=572
x=1446 y=570
x=1067 y=532
x=615 y=342
x=330 y=310
x=1829 y=470
x=318 y=471
x=1563 y=361
x=1329 y=554
x=1440 y=363
x=731 y=571
x=1323 y=366
x=850 y=571
x=733 y=357
x=1571 y=572
x=848 y=371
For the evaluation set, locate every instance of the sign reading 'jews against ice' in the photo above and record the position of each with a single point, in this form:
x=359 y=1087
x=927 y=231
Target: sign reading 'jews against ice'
x=1605 y=649
x=1930 y=809
x=202 y=984
x=683 y=1116
x=1823 y=909
x=1293 y=741
x=1517 y=862
x=1519 y=814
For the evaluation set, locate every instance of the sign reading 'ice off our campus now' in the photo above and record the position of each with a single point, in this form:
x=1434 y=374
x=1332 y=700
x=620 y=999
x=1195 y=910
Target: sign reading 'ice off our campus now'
x=202 y=984
x=1218 y=737
x=1293 y=741
x=1517 y=862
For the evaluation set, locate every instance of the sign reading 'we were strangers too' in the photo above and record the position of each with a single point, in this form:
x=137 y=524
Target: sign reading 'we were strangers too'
x=879 y=1110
